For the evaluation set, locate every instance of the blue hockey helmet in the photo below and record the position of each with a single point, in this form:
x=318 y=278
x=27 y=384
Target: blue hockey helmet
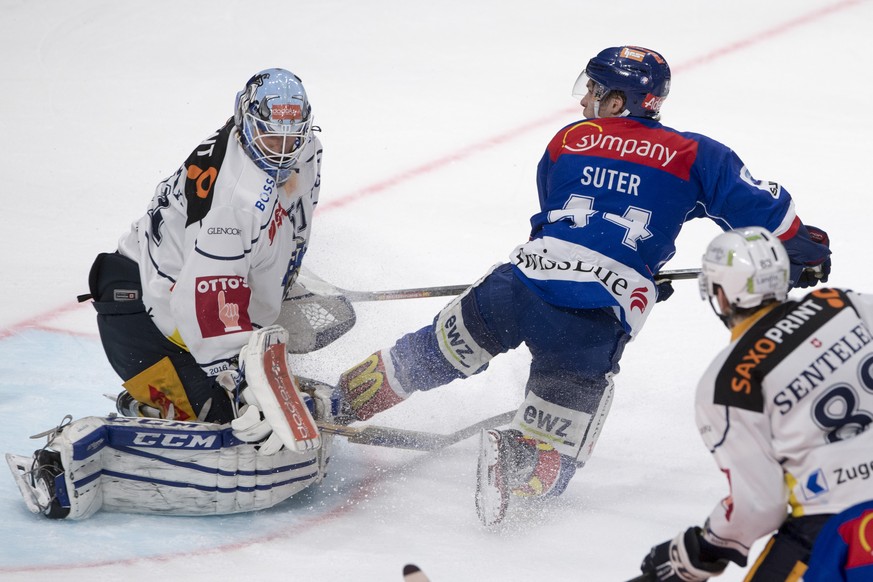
x=274 y=120
x=643 y=76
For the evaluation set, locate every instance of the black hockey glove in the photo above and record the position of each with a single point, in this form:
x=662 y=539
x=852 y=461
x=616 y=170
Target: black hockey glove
x=664 y=289
x=678 y=560
x=809 y=253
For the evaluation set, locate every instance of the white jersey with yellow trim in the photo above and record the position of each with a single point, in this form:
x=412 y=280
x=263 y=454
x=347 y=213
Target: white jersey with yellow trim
x=220 y=242
x=786 y=409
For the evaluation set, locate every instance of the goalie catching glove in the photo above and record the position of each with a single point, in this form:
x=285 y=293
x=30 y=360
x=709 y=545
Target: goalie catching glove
x=682 y=560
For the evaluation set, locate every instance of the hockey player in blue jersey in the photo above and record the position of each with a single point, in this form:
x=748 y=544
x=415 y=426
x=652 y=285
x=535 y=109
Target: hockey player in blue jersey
x=614 y=189
x=843 y=550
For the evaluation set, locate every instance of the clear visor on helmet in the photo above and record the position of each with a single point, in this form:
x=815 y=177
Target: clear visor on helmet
x=585 y=84
x=279 y=143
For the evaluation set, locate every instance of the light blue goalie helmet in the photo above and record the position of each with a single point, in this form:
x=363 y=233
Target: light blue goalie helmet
x=274 y=120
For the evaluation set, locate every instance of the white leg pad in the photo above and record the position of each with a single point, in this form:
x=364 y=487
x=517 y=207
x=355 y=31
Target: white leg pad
x=143 y=465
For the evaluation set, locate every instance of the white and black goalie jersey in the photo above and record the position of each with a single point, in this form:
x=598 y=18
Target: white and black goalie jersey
x=787 y=410
x=219 y=243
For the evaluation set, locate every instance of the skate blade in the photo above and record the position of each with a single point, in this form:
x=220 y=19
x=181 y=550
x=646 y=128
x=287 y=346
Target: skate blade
x=492 y=495
x=21 y=466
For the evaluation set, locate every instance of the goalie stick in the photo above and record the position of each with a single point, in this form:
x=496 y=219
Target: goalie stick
x=316 y=312
x=398 y=438
x=447 y=290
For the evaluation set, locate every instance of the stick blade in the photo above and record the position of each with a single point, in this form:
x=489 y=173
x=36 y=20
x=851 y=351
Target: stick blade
x=398 y=438
x=412 y=573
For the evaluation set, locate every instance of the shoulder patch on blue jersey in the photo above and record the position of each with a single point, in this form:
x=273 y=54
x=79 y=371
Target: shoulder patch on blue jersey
x=768 y=342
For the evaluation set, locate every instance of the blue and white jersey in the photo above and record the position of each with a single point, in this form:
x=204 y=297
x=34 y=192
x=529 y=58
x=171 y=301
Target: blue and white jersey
x=614 y=194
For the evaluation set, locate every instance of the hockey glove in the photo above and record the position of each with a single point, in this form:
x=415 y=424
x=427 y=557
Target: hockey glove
x=249 y=426
x=809 y=253
x=678 y=560
x=664 y=289
x=252 y=427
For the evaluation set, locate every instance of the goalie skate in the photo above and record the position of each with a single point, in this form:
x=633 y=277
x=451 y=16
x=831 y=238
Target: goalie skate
x=492 y=487
x=127 y=405
x=37 y=481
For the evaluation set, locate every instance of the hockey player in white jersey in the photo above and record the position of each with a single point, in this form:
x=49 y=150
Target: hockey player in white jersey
x=213 y=255
x=786 y=410
x=186 y=306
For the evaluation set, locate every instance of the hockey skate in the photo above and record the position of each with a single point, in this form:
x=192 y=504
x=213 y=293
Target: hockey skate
x=512 y=465
x=492 y=489
x=40 y=480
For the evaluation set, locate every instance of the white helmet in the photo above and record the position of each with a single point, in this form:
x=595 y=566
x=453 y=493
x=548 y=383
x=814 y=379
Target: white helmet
x=749 y=264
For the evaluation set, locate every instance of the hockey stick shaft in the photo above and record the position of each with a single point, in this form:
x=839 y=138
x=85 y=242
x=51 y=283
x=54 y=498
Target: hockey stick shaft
x=398 y=438
x=448 y=290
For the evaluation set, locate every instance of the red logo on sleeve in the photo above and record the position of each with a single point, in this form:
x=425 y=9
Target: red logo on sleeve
x=222 y=305
x=639 y=299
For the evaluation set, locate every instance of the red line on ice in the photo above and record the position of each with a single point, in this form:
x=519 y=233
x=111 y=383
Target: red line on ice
x=469 y=151
x=361 y=493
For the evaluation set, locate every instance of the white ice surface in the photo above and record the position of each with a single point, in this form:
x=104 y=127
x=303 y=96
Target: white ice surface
x=434 y=117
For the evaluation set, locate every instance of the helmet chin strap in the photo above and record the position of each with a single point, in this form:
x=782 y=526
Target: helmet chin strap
x=726 y=318
x=730 y=318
